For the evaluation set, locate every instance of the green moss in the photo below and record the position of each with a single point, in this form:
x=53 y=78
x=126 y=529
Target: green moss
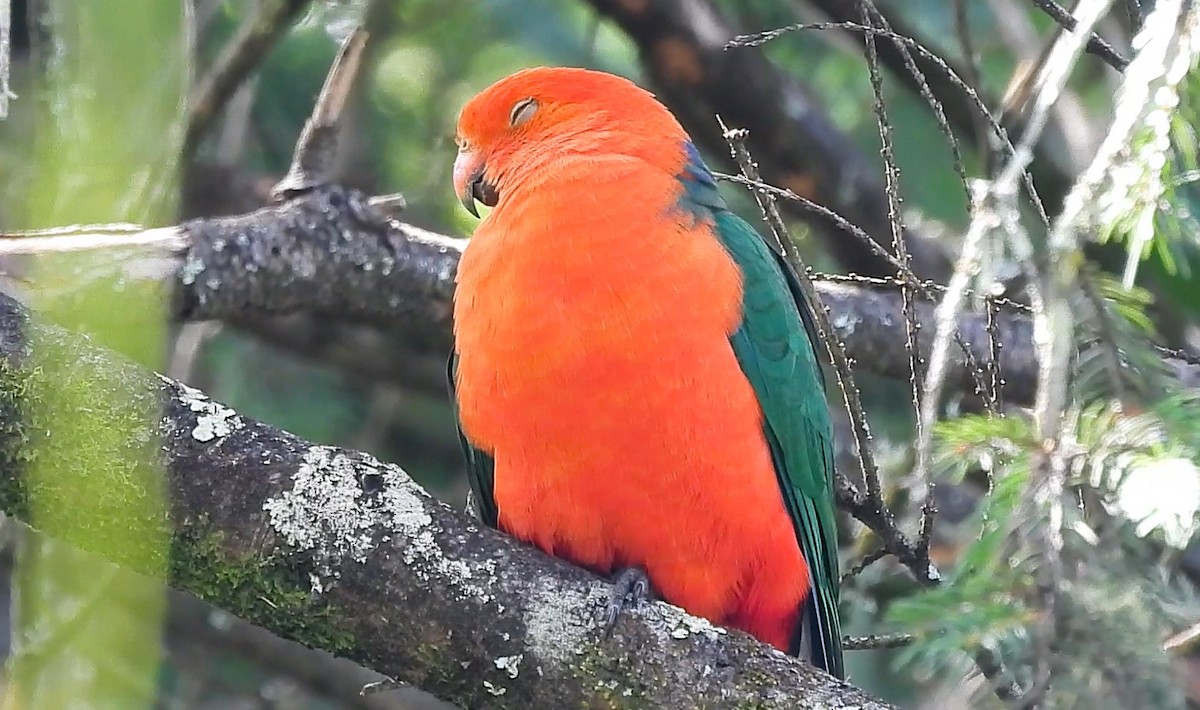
x=15 y=451
x=597 y=662
x=87 y=437
x=96 y=446
x=752 y=682
x=272 y=594
x=436 y=662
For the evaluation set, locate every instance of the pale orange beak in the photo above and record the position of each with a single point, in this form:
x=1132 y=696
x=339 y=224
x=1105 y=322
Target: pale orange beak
x=469 y=183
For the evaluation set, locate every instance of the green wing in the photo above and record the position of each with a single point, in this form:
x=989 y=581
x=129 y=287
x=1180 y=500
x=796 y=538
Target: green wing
x=481 y=469
x=775 y=346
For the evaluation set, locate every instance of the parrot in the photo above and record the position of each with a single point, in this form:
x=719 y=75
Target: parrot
x=634 y=369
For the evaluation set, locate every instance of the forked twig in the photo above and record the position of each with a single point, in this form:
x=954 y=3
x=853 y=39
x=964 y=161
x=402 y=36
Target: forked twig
x=1095 y=43
x=837 y=354
x=859 y=567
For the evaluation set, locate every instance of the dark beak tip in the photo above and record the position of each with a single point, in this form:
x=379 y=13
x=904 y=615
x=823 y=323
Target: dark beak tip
x=479 y=190
x=468 y=201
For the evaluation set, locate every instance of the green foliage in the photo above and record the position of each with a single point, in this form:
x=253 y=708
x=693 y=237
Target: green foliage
x=981 y=443
x=1154 y=202
x=1133 y=487
x=979 y=603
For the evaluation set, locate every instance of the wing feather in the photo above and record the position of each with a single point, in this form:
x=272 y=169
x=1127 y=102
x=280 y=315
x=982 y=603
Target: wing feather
x=481 y=469
x=775 y=346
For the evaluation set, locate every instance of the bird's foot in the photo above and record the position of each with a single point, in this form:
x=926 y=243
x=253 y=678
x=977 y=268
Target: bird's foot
x=631 y=587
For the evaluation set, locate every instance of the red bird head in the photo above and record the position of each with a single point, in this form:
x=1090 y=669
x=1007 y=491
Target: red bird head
x=527 y=129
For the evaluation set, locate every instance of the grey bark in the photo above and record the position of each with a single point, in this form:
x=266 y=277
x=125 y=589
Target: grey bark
x=329 y=252
x=392 y=578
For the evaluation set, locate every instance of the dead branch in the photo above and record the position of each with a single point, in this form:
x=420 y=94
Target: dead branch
x=340 y=551
x=1095 y=43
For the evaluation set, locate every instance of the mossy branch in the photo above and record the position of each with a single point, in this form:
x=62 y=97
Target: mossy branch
x=343 y=552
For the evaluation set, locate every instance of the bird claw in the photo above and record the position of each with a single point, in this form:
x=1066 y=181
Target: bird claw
x=631 y=587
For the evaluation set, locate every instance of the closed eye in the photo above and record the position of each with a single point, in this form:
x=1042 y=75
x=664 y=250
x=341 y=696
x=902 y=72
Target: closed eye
x=522 y=112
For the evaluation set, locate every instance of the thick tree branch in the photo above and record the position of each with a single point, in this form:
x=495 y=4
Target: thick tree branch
x=338 y=550
x=329 y=252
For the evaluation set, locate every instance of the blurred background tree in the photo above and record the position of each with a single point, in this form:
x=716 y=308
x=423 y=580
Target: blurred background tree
x=120 y=135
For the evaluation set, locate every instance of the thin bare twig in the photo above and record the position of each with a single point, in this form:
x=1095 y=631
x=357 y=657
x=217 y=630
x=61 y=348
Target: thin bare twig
x=972 y=75
x=859 y=567
x=1095 y=43
x=869 y=507
x=991 y=305
x=872 y=18
x=904 y=275
x=876 y=642
x=998 y=130
x=254 y=39
x=892 y=188
x=994 y=207
x=1164 y=54
x=999 y=302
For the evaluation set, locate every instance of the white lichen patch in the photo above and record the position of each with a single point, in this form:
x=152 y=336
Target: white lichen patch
x=409 y=520
x=213 y=420
x=557 y=623
x=494 y=689
x=510 y=664
x=328 y=513
x=845 y=323
x=192 y=267
x=324 y=513
x=681 y=625
x=214 y=426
